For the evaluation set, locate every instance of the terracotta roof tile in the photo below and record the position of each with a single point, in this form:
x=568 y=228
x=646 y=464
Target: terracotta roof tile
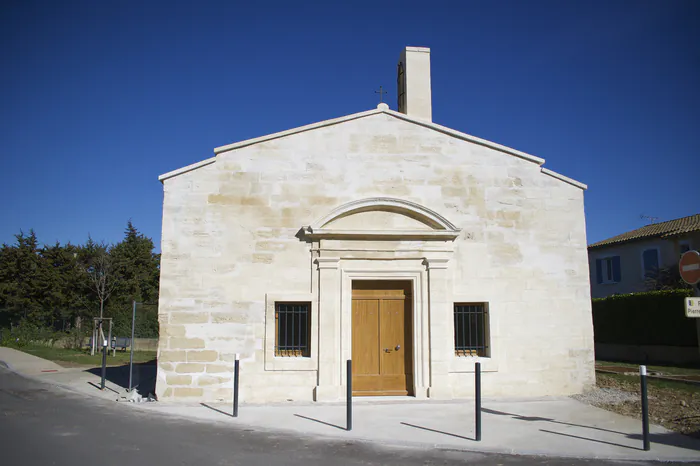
x=661 y=230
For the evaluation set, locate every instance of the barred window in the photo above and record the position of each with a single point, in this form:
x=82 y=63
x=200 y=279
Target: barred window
x=471 y=322
x=292 y=323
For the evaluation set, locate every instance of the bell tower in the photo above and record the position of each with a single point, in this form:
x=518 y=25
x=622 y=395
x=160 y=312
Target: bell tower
x=413 y=83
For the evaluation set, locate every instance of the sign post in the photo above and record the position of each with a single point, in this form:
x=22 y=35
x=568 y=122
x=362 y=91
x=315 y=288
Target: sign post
x=689 y=267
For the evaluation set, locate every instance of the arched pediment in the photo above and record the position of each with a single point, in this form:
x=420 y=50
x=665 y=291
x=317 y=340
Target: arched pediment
x=383 y=217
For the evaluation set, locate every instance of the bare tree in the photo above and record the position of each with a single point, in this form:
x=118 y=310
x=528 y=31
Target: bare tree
x=103 y=281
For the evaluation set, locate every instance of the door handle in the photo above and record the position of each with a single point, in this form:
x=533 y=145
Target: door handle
x=387 y=350
x=398 y=347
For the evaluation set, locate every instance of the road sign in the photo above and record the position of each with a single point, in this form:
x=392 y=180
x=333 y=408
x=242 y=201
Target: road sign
x=692 y=307
x=689 y=267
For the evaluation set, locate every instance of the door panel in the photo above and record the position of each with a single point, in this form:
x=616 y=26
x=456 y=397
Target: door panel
x=391 y=336
x=382 y=338
x=365 y=353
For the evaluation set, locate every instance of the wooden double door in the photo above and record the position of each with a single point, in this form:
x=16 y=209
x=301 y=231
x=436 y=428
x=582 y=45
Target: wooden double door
x=382 y=337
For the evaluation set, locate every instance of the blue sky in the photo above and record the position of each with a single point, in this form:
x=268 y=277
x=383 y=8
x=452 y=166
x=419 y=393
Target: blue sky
x=99 y=98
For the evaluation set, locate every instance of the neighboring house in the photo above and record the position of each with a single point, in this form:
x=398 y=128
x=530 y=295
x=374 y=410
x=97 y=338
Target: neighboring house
x=411 y=248
x=624 y=263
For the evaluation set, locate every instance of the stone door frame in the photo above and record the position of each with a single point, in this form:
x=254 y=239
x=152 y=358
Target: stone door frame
x=432 y=320
x=415 y=276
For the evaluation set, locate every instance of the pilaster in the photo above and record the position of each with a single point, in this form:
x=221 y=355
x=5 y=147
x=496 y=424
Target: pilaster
x=329 y=364
x=440 y=328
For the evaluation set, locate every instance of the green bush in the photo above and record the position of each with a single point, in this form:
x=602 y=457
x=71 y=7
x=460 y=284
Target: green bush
x=26 y=333
x=75 y=337
x=650 y=318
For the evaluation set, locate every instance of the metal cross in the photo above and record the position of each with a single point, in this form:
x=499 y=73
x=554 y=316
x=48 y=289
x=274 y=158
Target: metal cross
x=381 y=93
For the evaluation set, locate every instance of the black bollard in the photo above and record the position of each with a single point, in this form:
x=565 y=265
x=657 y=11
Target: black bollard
x=349 y=396
x=236 y=369
x=104 y=364
x=477 y=407
x=645 y=408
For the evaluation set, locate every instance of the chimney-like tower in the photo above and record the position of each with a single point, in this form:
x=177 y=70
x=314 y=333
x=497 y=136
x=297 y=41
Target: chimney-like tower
x=413 y=83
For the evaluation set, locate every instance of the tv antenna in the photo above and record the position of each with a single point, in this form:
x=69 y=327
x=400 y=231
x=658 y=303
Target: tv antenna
x=649 y=218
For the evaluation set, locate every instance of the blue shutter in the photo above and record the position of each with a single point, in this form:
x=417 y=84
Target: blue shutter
x=598 y=271
x=617 y=272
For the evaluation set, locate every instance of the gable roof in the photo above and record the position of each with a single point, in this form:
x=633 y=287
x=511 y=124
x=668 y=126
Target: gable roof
x=381 y=108
x=658 y=230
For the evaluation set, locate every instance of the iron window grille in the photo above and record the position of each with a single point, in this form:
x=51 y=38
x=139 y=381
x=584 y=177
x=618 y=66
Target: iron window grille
x=292 y=324
x=471 y=329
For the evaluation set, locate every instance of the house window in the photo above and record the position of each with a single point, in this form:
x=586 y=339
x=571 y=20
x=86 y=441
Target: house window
x=650 y=263
x=608 y=270
x=471 y=321
x=292 y=323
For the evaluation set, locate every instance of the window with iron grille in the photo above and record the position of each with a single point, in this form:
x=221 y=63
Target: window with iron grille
x=471 y=323
x=292 y=323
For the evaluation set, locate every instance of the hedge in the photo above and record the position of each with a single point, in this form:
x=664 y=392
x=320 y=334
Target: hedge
x=649 y=318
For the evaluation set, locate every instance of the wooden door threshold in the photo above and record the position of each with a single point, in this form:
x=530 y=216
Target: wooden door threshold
x=380 y=393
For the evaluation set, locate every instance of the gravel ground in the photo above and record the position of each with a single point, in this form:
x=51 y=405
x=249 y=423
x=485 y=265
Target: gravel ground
x=605 y=396
x=675 y=409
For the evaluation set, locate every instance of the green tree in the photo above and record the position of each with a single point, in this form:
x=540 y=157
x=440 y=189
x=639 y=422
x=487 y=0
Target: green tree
x=62 y=283
x=59 y=285
x=138 y=268
x=20 y=291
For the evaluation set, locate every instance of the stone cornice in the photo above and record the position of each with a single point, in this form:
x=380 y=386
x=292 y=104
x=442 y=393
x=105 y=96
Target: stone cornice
x=436 y=263
x=385 y=110
x=563 y=178
x=324 y=233
x=327 y=262
x=422 y=213
x=186 y=169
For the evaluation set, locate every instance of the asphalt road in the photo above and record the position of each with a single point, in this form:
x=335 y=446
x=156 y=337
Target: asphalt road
x=45 y=425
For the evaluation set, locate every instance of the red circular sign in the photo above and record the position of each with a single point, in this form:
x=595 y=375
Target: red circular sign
x=689 y=267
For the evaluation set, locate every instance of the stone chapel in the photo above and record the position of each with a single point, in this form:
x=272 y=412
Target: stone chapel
x=413 y=249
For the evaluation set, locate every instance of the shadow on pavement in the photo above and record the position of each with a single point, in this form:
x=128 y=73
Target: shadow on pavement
x=143 y=381
x=547 y=419
x=438 y=431
x=216 y=409
x=99 y=388
x=591 y=439
x=319 y=421
x=673 y=439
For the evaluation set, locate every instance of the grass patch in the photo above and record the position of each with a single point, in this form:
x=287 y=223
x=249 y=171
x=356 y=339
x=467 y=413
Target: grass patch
x=83 y=357
x=670 y=370
x=634 y=382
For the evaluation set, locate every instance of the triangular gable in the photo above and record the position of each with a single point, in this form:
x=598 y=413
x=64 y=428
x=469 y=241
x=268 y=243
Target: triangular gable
x=382 y=108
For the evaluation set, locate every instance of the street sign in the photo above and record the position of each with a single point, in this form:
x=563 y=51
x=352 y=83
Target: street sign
x=689 y=266
x=692 y=307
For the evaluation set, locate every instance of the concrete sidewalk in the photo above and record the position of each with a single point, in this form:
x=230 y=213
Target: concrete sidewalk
x=26 y=363
x=75 y=379
x=559 y=427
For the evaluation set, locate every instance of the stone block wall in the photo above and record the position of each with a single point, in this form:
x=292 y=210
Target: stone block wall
x=231 y=235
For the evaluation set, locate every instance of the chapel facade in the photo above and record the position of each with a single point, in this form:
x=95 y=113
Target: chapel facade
x=410 y=248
